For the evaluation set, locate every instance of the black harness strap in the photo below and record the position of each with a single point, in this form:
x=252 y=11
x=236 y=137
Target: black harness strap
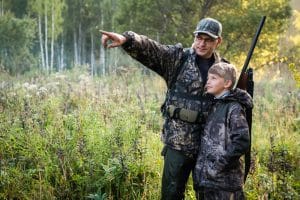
x=179 y=68
x=250 y=90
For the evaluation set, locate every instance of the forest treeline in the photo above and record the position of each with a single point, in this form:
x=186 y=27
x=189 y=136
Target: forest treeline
x=54 y=35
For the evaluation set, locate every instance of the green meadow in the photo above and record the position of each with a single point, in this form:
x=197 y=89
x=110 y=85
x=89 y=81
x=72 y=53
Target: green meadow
x=71 y=136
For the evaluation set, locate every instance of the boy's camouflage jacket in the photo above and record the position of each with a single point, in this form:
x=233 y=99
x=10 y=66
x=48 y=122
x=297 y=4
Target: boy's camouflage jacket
x=185 y=93
x=224 y=140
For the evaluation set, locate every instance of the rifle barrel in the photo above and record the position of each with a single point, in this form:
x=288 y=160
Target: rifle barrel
x=253 y=44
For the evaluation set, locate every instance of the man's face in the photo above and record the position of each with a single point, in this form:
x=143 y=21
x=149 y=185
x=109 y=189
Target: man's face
x=205 y=45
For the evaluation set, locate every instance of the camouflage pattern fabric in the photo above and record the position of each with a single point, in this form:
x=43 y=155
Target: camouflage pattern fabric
x=209 y=26
x=224 y=140
x=213 y=194
x=186 y=93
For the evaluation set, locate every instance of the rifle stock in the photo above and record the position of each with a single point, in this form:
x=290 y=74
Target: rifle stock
x=242 y=81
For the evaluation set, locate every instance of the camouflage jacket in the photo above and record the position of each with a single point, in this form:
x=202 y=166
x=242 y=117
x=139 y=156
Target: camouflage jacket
x=224 y=140
x=185 y=92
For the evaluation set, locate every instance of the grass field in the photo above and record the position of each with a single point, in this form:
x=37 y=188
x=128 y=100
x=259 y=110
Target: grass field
x=70 y=136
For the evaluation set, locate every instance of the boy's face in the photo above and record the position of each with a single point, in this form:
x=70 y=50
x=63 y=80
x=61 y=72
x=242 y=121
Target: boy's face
x=216 y=85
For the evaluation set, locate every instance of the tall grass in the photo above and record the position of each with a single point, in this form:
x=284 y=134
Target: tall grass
x=68 y=136
x=276 y=128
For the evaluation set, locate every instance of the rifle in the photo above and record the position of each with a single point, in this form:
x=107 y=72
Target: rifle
x=245 y=82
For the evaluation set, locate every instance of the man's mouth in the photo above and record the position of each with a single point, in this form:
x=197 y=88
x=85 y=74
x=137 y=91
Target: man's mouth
x=201 y=49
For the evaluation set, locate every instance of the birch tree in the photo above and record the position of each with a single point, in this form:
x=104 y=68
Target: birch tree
x=46 y=35
x=41 y=42
x=102 y=53
x=47 y=11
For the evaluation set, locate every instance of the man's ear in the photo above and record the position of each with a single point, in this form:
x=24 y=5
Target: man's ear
x=219 y=41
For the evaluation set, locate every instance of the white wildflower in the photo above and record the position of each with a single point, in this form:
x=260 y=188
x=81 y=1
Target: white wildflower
x=33 y=87
x=26 y=85
x=60 y=76
x=42 y=92
x=29 y=86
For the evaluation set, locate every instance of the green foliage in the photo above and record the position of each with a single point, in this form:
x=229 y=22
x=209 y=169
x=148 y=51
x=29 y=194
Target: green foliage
x=68 y=136
x=16 y=42
x=173 y=22
x=76 y=22
x=170 y=22
x=291 y=54
x=276 y=156
x=240 y=23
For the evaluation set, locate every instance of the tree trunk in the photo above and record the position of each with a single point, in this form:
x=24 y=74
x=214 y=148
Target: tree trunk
x=1 y=11
x=41 y=42
x=61 y=62
x=102 y=54
x=79 y=43
x=102 y=60
x=46 y=39
x=92 y=55
x=75 y=48
x=52 y=35
x=206 y=6
x=83 y=49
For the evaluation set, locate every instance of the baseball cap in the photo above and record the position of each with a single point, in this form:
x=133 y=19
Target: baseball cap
x=210 y=27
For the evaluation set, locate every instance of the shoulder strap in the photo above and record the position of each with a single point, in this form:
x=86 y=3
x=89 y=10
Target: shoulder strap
x=174 y=78
x=179 y=68
x=250 y=90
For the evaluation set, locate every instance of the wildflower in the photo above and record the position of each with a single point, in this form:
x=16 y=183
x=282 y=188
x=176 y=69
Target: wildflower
x=42 y=92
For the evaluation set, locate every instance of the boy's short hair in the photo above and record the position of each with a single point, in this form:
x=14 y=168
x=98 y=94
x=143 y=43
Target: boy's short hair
x=224 y=70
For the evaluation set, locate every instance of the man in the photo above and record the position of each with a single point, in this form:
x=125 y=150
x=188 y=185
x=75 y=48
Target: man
x=185 y=72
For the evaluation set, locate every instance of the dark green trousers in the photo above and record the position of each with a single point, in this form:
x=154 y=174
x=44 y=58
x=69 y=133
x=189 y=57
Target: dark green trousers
x=177 y=168
x=215 y=194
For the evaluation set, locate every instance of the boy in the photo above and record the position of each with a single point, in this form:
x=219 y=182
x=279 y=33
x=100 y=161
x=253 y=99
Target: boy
x=218 y=172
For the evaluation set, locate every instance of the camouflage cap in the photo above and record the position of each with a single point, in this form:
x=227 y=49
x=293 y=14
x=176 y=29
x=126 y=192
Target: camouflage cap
x=210 y=27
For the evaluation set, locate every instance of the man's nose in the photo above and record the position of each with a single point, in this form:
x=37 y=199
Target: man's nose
x=202 y=42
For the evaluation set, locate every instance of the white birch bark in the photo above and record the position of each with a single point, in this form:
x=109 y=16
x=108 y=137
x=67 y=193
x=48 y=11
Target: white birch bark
x=75 y=48
x=46 y=39
x=102 y=54
x=41 y=41
x=92 y=55
x=52 y=35
x=61 y=56
x=83 y=49
x=79 y=43
x=102 y=60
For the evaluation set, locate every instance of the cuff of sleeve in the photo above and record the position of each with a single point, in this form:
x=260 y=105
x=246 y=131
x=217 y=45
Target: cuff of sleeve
x=129 y=39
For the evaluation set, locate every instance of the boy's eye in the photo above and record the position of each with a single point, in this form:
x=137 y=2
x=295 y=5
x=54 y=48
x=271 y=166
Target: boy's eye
x=212 y=77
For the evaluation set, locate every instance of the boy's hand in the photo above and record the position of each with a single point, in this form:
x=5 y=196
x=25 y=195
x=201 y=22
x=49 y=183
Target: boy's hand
x=117 y=39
